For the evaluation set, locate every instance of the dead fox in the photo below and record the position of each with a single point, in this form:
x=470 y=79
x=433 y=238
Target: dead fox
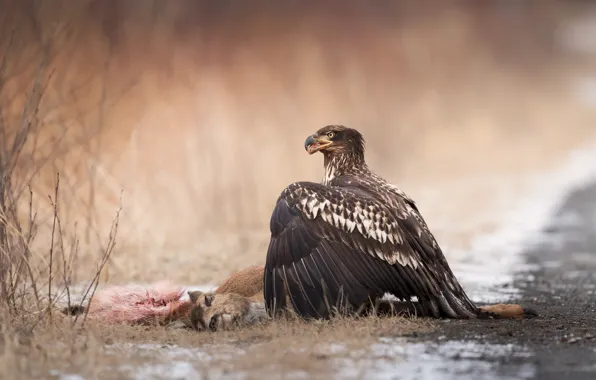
x=239 y=301
x=224 y=311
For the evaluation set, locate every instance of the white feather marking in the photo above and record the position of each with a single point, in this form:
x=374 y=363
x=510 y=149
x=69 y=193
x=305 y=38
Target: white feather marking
x=360 y=228
x=400 y=259
x=350 y=225
x=390 y=236
x=366 y=223
x=414 y=263
x=358 y=209
x=372 y=233
x=342 y=222
x=315 y=211
x=335 y=220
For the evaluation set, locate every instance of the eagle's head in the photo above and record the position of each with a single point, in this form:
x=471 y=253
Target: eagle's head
x=335 y=141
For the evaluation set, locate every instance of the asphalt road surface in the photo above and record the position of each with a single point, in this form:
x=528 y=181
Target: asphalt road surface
x=560 y=285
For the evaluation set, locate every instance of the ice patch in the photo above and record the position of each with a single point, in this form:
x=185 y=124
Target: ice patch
x=179 y=362
x=392 y=358
x=388 y=358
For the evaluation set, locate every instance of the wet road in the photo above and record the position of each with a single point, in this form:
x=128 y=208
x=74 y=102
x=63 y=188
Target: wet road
x=560 y=283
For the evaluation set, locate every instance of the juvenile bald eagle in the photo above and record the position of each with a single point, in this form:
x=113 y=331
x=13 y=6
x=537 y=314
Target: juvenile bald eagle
x=339 y=244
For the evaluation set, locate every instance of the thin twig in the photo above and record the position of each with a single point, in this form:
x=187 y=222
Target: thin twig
x=54 y=220
x=65 y=268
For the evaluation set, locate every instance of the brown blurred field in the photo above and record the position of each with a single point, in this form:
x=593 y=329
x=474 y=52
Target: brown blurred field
x=196 y=113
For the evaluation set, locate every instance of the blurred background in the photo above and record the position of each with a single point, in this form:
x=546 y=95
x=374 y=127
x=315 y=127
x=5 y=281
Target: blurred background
x=193 y=114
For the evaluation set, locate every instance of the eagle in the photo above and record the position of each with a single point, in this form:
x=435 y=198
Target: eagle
x=353 y=238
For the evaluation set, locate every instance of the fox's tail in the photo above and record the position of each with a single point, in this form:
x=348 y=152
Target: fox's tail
x=497 y=311
x=506 y=311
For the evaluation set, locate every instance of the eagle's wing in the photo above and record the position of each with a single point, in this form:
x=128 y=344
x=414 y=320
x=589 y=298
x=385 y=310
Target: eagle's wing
x=333 y=247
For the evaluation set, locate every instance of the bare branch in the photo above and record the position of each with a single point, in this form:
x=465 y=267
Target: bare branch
x=54 y=221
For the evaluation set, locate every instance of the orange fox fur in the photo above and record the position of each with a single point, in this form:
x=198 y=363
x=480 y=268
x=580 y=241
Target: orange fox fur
x=247 y=283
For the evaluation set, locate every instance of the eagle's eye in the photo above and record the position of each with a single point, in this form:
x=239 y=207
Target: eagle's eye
x=330 y=134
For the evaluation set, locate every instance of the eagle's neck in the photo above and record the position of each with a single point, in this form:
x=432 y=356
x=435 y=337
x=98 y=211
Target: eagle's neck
x=343 y=164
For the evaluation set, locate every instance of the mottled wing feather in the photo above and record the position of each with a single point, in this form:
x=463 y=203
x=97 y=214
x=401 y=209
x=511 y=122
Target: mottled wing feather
x=333 y=247
x=357 y=215
x=398 y=201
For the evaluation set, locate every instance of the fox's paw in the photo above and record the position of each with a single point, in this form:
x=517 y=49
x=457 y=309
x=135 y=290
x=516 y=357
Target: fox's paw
x=506 y=311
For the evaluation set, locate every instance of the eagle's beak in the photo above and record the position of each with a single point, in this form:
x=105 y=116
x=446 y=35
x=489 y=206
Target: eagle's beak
x=314 y=144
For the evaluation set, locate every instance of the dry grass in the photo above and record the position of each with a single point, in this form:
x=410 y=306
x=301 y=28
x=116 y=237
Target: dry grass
x=300 y=346
x=281 y=346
